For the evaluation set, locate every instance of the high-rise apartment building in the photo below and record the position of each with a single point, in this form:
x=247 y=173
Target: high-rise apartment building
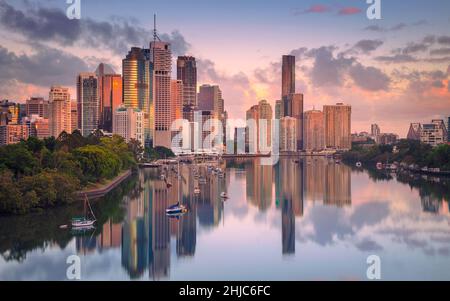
x=338 y=126
x=129 y=124
x=88 y=103
x=59 y=111
x=288 y=134
x=314 y=131
x=187 y=73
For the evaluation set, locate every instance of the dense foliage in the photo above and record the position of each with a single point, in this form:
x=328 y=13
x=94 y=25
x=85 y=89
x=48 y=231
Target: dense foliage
x=159 y=152
x=409 y=152
x=37 y=174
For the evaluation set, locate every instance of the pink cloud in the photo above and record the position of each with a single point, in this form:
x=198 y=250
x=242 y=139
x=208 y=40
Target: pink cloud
x=317 y=8
x=349 y=11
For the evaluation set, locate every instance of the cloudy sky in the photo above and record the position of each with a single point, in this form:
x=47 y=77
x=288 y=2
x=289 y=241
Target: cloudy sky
x=392 y=71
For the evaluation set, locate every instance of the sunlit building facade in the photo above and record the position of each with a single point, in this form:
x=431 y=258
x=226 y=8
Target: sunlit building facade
x=59 y=111
x=314 y=131
x=338 y=126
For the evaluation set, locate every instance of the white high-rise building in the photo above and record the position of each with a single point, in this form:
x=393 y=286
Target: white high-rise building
x=59 y=114
x=129 y=123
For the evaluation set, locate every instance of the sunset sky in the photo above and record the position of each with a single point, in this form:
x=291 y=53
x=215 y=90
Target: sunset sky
x=392 y=71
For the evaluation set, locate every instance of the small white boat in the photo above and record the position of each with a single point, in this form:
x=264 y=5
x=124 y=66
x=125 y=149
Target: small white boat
x=197 y=190
x=85 y=221
x=224 y=195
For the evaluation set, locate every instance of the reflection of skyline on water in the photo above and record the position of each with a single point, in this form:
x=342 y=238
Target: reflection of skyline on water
x=146 y=232
x=294 y=205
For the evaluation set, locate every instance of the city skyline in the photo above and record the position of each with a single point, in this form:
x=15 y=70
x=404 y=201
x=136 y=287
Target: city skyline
x=391 y=65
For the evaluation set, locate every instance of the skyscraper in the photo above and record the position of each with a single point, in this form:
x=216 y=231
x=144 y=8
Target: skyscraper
x=338 y=126
x=73 y=115
x=101 y=71
x=88 y=103
x=161 y=58
x=59 y=111
x=375 y=132
x=187 y=73
x=111 y=99
x=296 y=101
x=288 y=75
x=210 y=99
x=288 y=134
x=265 y=115
x=314 y=139
x=137 y=87
x=176 y=98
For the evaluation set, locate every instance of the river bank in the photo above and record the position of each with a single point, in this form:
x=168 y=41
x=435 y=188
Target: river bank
x=102 y=189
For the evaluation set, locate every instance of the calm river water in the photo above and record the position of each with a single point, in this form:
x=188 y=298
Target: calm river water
x=313 y=220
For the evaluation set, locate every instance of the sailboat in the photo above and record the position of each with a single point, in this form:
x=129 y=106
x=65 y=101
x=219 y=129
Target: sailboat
x=178 y=209
x=85 y=221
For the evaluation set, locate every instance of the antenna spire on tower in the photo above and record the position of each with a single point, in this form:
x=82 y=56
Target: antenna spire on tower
x=155 y=32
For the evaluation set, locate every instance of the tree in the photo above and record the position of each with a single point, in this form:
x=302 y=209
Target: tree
x=18 y=159
x=135 y=147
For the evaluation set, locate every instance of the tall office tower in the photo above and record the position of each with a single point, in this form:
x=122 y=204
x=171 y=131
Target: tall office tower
x=101 y=71
x=288 y=134
x=161 y=58
x=210 y=99
x=129 y=123
x=296 y=108
x=111 y=99
x=187 y=73
x=288 y=76
x=314 y=132
x=265 y=115
x=59 y=111
x=251 y=136
x=279 y=109
x=88 y=104
x=137 y=87
x=338 y=126
x=36 y=106
x=73 y=115
x=176 y=99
